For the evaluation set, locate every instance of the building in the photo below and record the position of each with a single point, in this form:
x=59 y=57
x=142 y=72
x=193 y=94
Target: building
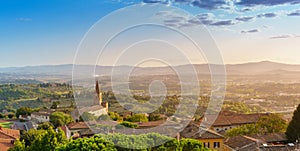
x=24 y=126
x=98 y=108
x=7 y=138
x=226 y=120
x=75 y=128
x=241 y=143
x=66 y=130
x=208 y=137
x=42 y=116
x=265 y=142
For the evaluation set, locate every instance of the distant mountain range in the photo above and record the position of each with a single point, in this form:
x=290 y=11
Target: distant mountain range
x=264 y=67
x=256 y=71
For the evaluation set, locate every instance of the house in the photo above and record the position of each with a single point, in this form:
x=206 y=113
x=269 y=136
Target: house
x=25 y=126
x=98 y=108
x=226 y=120
x=86 y=133
x=24 y=117
x=268 y=142
x=208 y=137
x=241 y=143
x=88 y=129
x=76 y=127
x=42 y=116
x=279 y=148
x=272 y=138
x=66 y=130
x=7 y=138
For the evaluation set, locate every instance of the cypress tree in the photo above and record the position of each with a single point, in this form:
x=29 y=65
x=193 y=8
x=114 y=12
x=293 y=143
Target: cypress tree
x=293 y=130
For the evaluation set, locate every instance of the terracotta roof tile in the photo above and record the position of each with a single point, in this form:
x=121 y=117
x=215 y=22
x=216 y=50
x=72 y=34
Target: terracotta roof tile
x=9 y=133
x=5 y=144
x=241 y=143
x=78 y=125
x=226 y=118
x=197 y=132
x=271 y=138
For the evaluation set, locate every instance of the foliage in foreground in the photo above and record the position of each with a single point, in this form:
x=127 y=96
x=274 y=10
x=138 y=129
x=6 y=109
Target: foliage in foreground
x=49 y=140
x=40 y=140
x=272 y=123
x=104 y=142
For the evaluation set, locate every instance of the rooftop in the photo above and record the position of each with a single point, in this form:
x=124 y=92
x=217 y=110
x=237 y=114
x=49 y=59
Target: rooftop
x=241 y=143
x=6 y=133
x=78 y=125
x=197 y=132
x=271 y=138
x=226 y=118
x=5 y=144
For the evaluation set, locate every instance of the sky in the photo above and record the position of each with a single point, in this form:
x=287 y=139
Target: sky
x=49 y=32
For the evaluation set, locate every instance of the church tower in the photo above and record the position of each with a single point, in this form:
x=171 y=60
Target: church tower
x=98 y=96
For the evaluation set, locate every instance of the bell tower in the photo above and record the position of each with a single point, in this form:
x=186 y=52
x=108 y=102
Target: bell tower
x=98 y=96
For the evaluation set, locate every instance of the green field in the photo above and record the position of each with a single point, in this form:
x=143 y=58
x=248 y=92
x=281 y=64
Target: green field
x=6 y=124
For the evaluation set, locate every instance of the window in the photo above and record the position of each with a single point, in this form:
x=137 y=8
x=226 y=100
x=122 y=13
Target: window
x=216 y=144
x=206 y=144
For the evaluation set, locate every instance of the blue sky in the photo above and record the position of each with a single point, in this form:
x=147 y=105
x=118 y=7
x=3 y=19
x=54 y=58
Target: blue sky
x=48 y=32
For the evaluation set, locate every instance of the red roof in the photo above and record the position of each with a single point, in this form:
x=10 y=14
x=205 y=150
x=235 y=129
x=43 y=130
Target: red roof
x=6 y=133
x=7 y=138
x=5 y=144
x=78 y=125
x=227 y=118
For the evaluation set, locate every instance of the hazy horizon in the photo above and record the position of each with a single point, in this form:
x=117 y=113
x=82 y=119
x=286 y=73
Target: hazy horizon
x=146 y=66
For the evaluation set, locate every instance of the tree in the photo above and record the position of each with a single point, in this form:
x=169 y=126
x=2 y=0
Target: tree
x=55 y=105
x=60 y=119
x=272 y=123
x=30 y=136
x=18 y=146
x=114 y=116
x=48 y=141
x=45 y=126
x=187 y=144
x=154 y=117
x=11 y=115
x=126 y=124
x=243 y=130
x=45 y=140
x=87 y=144
x=137 y=118
x=293 y=129
x=24 y=111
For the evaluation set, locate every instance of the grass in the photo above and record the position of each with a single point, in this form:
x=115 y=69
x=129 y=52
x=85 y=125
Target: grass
x=6 y=124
